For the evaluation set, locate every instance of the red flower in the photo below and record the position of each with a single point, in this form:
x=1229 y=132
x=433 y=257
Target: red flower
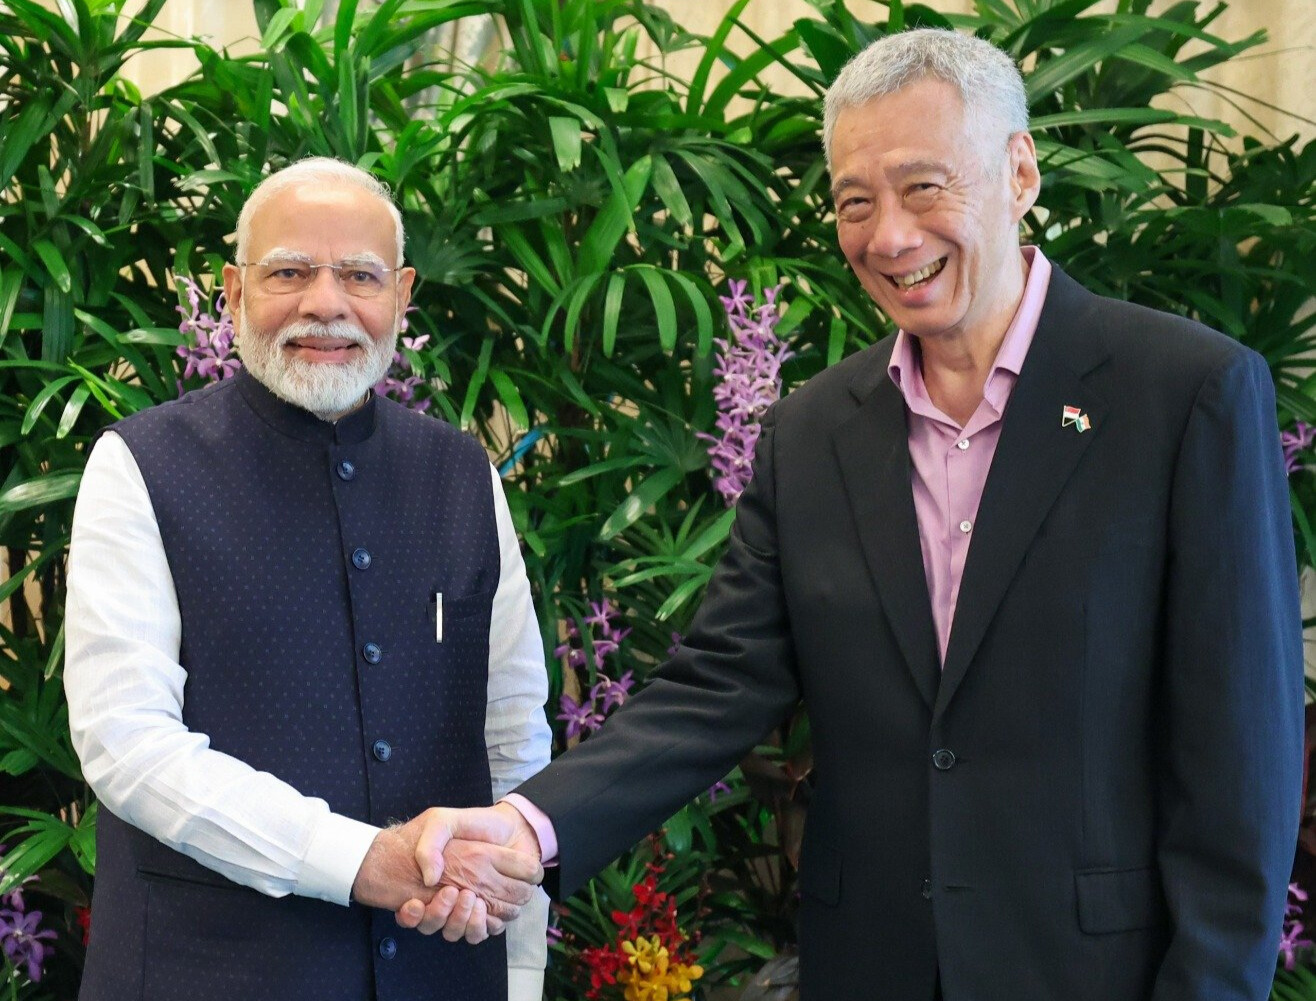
x=84 y=922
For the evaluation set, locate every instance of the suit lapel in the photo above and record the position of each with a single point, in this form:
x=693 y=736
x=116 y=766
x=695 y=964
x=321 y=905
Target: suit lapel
x=872 y=447
x=1034 y=458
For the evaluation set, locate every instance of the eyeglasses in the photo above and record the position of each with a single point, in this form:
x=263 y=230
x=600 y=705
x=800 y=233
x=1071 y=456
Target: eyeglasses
x=286 y=276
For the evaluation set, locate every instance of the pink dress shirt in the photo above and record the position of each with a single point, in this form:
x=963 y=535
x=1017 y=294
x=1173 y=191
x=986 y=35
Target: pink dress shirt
x=949 y=464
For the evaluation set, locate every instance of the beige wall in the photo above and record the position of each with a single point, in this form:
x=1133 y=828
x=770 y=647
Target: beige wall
x=1283 y=73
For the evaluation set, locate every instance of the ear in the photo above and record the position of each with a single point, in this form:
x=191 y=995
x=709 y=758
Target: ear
x=406 y=278
x=232 y=276
x=1025 y=177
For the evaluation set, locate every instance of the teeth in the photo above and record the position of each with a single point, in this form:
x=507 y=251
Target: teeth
x=905 y=281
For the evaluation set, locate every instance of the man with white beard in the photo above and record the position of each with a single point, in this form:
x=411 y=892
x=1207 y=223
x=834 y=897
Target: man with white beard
x=297 y=617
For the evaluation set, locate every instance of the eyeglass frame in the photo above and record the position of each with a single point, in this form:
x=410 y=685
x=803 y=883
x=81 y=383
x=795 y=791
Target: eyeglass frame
x=349 y=262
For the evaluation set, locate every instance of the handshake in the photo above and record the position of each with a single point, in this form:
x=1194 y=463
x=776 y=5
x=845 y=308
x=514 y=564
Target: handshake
x=463 y=872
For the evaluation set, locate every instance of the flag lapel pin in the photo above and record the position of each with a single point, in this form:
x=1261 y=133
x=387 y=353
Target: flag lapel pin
x=1072 y=415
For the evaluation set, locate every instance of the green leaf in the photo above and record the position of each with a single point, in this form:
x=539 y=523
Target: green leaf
x=55 y=266
x=511 y=398
x=72 y=410
x=40 y=490
x=647 y=493
x=56 y=324
x=612 y=310
x=669 y=190
x=663 y=307
x=271 y=39
x=566 y=142
x=18 y=762
x=38 y=404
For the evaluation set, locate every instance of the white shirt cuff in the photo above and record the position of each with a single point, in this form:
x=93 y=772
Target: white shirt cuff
x=524 y=985
x=334 y=857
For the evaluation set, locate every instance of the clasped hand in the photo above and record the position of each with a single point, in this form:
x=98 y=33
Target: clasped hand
x=465 y=873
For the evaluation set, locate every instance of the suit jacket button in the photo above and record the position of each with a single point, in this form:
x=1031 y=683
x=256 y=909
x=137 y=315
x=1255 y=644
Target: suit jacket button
x=361 y=558
x=345 y=470
x=382 y=750
x=388 y=947
x=943 y=759
x=927 y=889
x=372 y=653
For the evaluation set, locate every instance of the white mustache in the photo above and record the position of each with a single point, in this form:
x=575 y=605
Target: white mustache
x=339 y=330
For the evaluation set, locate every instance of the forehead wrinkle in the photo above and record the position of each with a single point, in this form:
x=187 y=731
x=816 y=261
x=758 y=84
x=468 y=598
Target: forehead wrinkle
x=284 y=254
x=920 y=167
x=364 y=257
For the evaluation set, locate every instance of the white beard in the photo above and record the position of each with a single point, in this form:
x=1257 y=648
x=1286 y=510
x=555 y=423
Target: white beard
x=327 y=390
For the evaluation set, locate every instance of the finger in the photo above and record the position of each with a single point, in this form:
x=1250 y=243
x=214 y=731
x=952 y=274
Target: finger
x=502 y=910
x=438 y=910
x=518 y=865
x=455 y=927
x=476 y=930
x=496 y=927
x=410 y=914
x=434 y=837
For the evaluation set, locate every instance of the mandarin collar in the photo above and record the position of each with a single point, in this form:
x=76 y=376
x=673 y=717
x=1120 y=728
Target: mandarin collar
x=293 y=421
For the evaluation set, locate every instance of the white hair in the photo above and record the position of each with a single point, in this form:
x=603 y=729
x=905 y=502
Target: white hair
x=988 y=81
x=315 y=170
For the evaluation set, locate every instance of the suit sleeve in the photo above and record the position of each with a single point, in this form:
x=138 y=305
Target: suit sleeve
x=731 y=681
x=1230 y=772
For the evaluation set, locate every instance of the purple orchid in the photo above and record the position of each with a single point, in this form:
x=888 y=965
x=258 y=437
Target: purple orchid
x=580 y=717
x=23 y=941
x=717 y=789
x=210 y=353
x=604 y=638
x=400 y=382
x=749 y=369
x=610 y=694
x=1291 y=938
x=1294 y=443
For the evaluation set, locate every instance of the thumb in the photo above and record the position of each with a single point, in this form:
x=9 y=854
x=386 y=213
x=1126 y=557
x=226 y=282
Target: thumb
x=435 y=833
x=481 y=824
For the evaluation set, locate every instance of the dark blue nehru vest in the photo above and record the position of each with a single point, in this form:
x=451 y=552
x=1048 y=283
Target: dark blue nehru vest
x=307 y=557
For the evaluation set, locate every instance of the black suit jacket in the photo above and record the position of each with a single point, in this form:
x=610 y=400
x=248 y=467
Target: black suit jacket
x=1097 y=798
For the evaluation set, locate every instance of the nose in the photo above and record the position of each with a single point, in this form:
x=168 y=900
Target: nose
x=324 y=299
x=895 y=230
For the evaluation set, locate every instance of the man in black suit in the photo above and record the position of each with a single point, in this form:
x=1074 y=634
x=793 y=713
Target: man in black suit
x=1030 y=566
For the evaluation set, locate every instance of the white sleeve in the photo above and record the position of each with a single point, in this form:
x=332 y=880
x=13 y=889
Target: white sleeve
x=516 y=730
x=125 y=697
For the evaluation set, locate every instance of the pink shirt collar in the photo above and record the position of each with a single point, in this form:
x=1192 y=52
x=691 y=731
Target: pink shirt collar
x=906 y=372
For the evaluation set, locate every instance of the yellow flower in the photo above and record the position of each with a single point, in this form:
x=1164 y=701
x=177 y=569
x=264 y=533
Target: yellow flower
x=652 y=975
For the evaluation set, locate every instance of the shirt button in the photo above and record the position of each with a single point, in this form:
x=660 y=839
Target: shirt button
x=388 y=947
x=361 y=558
x=383 y=751
x=372 y=653
x=927 y=889
x=966 y=527
x=347 y=471
x=962 y=444
x=943 y=759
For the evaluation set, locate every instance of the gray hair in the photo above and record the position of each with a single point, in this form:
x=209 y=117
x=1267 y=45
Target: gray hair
x=315 y=169
x=987 y=79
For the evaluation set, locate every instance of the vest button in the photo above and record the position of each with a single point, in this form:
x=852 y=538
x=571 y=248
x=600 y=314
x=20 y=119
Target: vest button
x=927 y=889
x=372 y=653
x=346 y=471
x=943 y=759
x=361 y=559
x=382 y=750
x=388 y=947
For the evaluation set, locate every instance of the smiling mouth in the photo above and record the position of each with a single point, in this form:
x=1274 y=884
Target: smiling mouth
x=322 y=344
x=917 y=277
